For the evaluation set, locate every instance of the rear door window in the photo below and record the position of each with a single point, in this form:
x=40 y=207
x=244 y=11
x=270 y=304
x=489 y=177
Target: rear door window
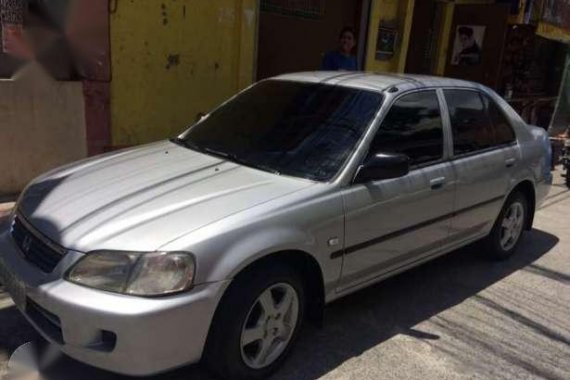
x=472 y=128
x=504 y=133
x=413 y=126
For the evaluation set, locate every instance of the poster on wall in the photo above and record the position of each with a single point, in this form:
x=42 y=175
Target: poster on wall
x=468 y=45
x=386 y=43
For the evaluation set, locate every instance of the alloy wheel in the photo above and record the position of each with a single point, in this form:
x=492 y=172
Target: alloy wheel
x=269 y=325
x=512 y=226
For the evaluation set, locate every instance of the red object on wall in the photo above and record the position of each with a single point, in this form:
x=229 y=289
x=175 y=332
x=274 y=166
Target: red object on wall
x=13 y=42
x=88 y=35
x=97 y=116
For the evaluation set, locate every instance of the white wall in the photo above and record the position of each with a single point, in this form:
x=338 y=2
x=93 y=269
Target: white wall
x=42 y=126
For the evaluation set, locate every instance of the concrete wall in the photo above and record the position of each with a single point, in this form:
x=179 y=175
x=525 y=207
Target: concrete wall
x=42 y=126
x=173 y=59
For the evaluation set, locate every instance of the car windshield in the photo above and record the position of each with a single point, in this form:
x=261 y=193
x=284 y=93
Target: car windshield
x=300 y=129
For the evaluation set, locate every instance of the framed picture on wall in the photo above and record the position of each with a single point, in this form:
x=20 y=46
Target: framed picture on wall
x=468 y=45
x=386 y=42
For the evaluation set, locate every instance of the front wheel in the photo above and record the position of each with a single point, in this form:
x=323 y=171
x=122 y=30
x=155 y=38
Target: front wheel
x=256 y=323
x=506 y=234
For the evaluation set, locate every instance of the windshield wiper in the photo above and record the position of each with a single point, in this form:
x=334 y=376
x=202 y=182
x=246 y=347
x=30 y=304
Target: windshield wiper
x=238 y=160
x=227 y=156
x=220 y=154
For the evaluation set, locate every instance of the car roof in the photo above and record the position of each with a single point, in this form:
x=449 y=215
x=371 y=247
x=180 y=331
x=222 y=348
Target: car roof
x=377 y=81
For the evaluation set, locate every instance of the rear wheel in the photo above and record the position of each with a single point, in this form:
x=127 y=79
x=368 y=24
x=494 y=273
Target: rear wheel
x=256 y=323
x=506 y=234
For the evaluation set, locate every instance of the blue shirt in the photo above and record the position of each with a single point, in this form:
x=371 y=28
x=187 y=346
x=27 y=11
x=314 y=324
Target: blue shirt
x=335 y=60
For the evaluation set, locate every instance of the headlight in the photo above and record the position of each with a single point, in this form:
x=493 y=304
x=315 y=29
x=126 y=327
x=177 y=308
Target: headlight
x=135 y=273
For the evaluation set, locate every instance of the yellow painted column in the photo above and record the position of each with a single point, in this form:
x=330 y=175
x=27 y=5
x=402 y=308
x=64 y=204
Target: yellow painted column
x=380 y=10
x=408 y=17
x=399 y=12
x=445 y=32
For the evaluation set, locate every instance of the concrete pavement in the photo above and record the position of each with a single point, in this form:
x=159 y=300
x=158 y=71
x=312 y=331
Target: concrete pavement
x=461 y=316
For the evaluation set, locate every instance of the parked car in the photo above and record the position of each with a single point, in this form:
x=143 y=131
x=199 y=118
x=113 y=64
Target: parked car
x=301 y=189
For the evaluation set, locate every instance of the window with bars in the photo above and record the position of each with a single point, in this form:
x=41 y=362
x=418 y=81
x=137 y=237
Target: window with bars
x=312 y=9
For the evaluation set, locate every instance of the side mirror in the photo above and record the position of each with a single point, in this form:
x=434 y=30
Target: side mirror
x=383 y=166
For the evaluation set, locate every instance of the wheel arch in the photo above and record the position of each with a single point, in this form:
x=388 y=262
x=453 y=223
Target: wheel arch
x=526 y=187
x=305 y=264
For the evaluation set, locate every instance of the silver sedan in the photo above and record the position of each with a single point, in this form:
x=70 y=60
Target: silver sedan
x=217 y=245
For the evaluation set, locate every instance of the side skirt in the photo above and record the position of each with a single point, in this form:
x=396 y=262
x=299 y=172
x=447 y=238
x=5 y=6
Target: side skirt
x=346 y=290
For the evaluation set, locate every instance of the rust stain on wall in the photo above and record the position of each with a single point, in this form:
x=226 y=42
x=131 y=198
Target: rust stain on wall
x=172 y=60
x=164 y=14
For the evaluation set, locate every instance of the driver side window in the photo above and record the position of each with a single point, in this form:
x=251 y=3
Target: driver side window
x=413 y=126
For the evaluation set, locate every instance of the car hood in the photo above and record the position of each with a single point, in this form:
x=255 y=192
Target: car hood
x=143 y=198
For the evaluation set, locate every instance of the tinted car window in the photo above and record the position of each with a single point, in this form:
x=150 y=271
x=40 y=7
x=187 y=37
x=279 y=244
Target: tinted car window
x=504 y=133
x=300 y=129
x=413 y=127
x=472 y=129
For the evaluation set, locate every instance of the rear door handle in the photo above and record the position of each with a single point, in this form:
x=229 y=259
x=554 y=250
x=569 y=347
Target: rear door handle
x=509 y=163
x=437 y=183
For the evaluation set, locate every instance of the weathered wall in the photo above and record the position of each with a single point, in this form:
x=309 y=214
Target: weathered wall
x=42 y=126
x=172 y=59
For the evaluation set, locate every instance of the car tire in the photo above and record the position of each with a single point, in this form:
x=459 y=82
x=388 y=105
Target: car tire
x=242 y=317
x=509 y=227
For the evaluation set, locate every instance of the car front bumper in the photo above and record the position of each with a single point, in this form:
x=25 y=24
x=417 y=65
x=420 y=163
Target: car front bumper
x=123 y=334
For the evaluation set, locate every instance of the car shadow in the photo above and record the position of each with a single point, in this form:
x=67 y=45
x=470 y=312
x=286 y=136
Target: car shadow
x=358 y=322
x=365 y=319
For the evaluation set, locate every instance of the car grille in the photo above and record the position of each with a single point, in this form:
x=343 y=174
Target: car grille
x=36 y=248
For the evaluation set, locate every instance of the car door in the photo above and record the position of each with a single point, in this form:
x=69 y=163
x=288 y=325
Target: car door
x=484 y=151
x=391 y=223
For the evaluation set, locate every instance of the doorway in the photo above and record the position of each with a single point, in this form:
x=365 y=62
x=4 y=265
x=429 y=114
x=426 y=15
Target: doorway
x=294 y=35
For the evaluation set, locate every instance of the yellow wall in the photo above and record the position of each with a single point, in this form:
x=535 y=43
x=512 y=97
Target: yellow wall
x=172 y=59
x=553 y=32
x=399 y=11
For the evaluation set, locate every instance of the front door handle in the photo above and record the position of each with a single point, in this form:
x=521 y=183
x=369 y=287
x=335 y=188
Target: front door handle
x=437 y=183
x=509 y=163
